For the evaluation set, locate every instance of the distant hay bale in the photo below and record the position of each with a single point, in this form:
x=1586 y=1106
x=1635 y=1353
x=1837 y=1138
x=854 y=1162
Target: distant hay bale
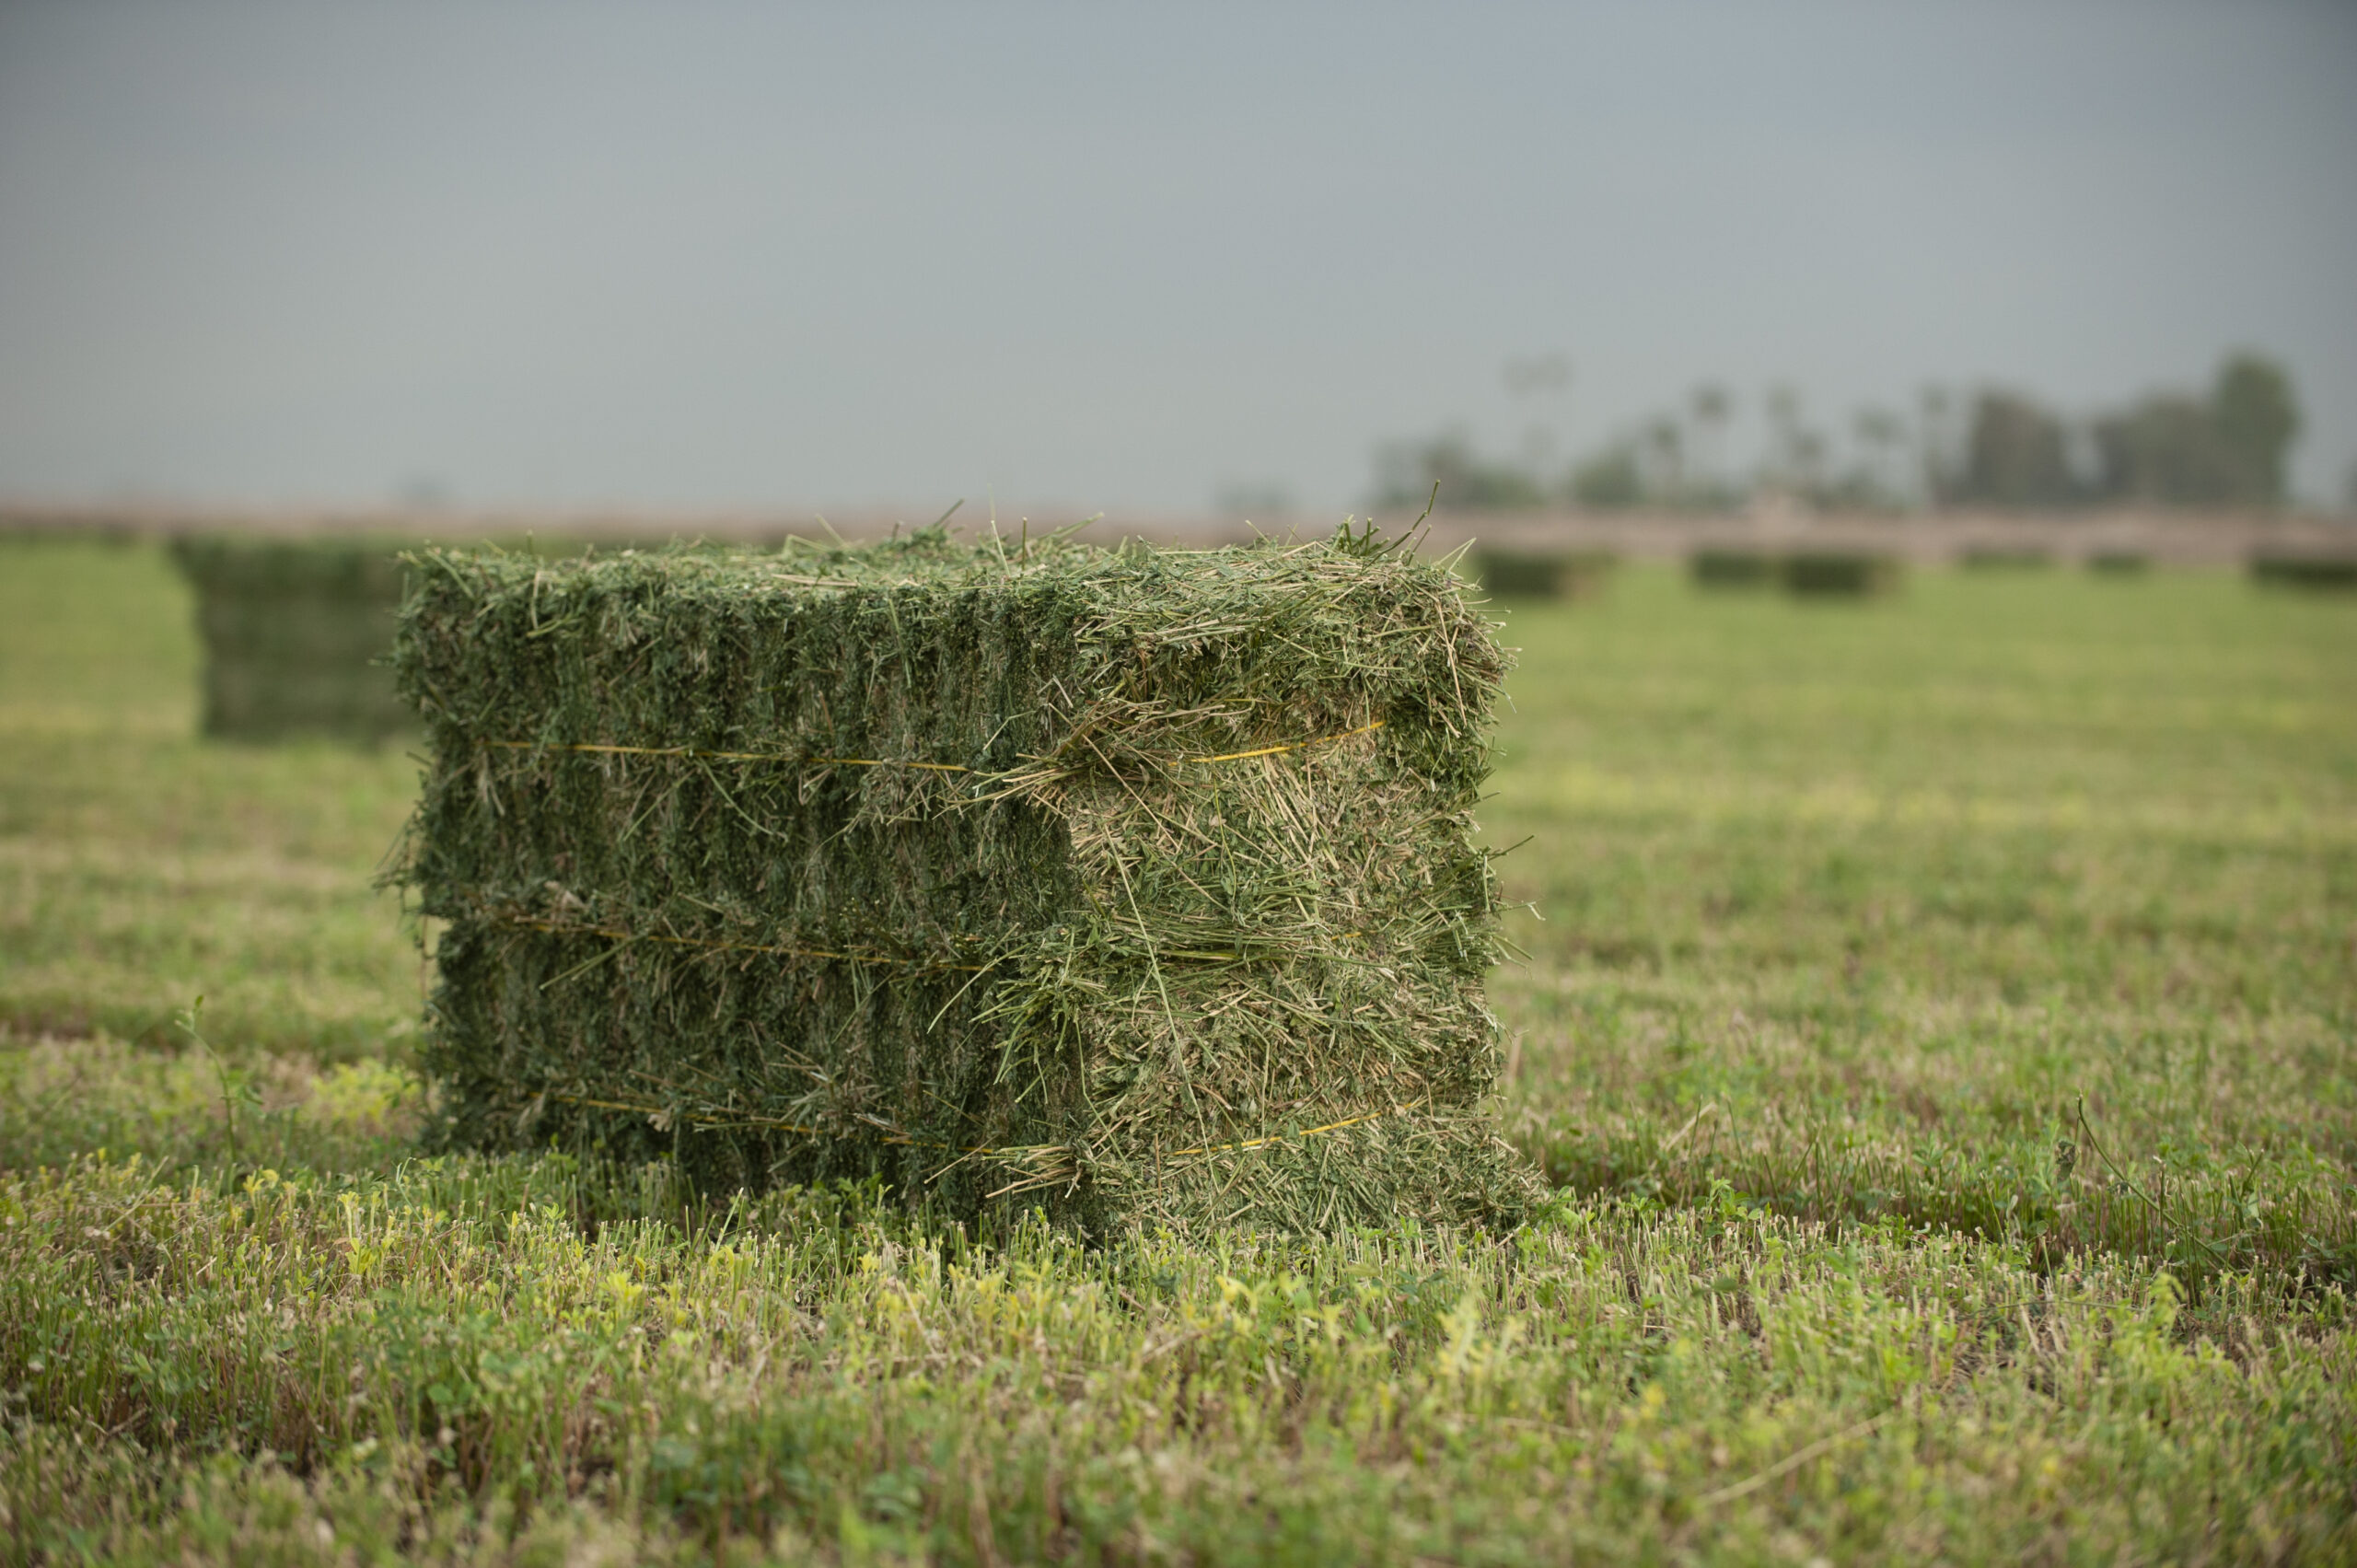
x=1827 y=573
x=2004 y=558
x=2118 y=563
x=2305 y=568
x=1732 y=567
x=1136 y=885
x=1531 y=573
x=296 y=632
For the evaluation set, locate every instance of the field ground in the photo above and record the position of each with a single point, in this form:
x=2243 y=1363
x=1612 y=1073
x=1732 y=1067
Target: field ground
x=1942 y=1031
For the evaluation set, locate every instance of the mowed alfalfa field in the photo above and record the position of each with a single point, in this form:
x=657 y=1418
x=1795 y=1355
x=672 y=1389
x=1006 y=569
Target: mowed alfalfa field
x=1939 y=1028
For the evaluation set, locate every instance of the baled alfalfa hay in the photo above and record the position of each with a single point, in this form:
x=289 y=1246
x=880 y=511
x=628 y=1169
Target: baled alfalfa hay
x=1505 y=572
x=1997 y=558
x=1732 y=567
x=1830 y=573
x=296 y=634
x=1140 y=885
x=2326 y=568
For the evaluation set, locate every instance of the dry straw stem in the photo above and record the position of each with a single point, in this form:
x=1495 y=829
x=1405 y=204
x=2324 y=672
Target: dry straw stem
x=1793 y=1461
x=1138 y=884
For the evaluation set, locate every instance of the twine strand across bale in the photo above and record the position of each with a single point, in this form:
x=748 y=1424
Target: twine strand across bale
x=722 y=945
x=610 y=749
x=554 y=928
x=967 y=865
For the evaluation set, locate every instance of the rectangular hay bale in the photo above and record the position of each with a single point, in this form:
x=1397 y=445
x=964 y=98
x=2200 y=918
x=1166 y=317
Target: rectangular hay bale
x=1540 y=573
x=295 y=634
x=2004 y=558
x=1828 y=574
x=1140 y=885
x=1732 y=567
x=2305 y=568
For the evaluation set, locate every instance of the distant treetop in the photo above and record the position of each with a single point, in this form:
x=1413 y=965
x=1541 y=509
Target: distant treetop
x=2002 y=450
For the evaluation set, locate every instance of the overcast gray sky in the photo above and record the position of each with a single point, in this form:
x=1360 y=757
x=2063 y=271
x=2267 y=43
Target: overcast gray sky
x=1109 y=256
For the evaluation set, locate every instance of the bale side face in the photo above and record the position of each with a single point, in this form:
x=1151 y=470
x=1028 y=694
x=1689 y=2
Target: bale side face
x=1140 y=885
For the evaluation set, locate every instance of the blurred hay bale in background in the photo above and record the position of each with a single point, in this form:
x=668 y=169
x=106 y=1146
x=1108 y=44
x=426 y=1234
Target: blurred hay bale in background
x=1136 y=885
x=1732 y=567
x=2004 y=558
x=296 y=634
x=1535 y=574
x=2118 y=563
x=1831 y=574
x=2309 y=568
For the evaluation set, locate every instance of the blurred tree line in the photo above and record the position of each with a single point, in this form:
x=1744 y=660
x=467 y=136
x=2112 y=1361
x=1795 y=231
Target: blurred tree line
x=2226 y=447
x=2172 y=449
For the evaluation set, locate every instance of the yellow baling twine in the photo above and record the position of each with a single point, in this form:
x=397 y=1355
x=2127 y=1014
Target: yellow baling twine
x=697 y=754
x=1296 y=746
x=720 y=944
x=702 y=755
x=1304 y=1133
x=894 y=1136
x=608 y=749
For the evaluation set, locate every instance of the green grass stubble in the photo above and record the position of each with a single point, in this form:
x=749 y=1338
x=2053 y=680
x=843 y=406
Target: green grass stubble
x=1847 y=905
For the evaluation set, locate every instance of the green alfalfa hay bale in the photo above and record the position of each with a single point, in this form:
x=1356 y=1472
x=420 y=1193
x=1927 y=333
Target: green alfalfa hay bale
x=1731 y=566
x=296 y=634
x=1139 y=886
x=1543 y=573
x=2004 y=558
x=1831 y=574
x=2311 y=568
